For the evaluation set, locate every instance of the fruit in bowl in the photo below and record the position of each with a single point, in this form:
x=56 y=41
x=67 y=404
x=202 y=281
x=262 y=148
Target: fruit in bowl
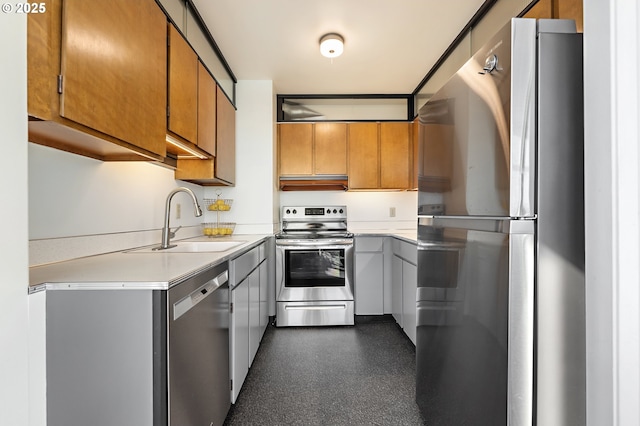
x=214 y=229
x=219 y=205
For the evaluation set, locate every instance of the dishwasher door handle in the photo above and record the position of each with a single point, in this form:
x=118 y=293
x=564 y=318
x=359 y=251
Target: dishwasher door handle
x=185 y=304
x=222 y=278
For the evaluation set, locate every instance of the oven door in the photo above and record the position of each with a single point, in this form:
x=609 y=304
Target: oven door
x=314 y=282
x=314 y=270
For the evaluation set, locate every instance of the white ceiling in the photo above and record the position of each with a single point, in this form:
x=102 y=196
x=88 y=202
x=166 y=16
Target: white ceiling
x=390 y=45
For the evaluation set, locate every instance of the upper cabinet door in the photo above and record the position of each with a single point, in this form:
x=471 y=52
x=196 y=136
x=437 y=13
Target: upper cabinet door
x=312 y=149
x=364 y=158
x=414 y=150
x=183 y=87
x=114 y=69
x=330 y=148
x=206 y=110
x=395 y=155
x=295 y=149
x=225 y=168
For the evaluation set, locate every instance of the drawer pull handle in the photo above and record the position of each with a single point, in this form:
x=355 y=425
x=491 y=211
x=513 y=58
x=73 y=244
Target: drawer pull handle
x=314 y=308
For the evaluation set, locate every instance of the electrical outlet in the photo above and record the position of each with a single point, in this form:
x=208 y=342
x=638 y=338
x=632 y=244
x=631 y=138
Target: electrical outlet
x=178 y=210
x=392 y=212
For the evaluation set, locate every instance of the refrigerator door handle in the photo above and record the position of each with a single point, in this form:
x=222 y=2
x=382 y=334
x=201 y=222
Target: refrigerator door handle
x=521 y=329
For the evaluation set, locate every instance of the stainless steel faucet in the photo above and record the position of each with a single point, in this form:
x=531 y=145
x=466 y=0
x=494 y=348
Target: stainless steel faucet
x=167 y=234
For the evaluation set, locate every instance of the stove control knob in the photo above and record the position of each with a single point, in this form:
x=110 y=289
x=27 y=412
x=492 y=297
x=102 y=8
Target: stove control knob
x=295 y=211
x=335 y=211
x=341 y=211
x=288 y=211
x=328 y=211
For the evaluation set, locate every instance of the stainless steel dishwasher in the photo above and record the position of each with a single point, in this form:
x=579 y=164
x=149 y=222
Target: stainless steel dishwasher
x=198 y=349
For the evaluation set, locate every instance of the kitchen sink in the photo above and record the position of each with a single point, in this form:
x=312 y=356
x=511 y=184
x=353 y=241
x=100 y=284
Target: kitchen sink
x=193 y=247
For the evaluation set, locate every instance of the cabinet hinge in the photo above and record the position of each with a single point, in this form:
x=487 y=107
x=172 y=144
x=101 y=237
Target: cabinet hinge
x=231 y=308
x=167 y=110
x=60 y=84
x=231 y=384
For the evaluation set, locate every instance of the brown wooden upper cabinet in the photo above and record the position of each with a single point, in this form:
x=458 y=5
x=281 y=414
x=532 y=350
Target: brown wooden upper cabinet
x=295 y=149
x=225 y=138
x=220 y=170
x=183 y=87
x=380 y=155
x=207 y=106
x=312 y=149
x=364 y=156
x=97 y=78
x=330 y=150
x=192 y=99
x=558 y=9
x=395 y=155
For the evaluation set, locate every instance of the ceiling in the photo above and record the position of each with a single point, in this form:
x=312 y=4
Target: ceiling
x=390 y=45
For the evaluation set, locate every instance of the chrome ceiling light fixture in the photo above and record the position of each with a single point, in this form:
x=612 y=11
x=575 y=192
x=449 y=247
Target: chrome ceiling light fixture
x=331 y=45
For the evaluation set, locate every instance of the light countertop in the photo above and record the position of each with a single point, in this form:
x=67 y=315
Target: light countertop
x=408 y=235
x=133 y=269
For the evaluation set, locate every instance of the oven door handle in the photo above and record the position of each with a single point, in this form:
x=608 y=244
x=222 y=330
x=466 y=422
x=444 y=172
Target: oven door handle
x=307 y=307
x=300 y=244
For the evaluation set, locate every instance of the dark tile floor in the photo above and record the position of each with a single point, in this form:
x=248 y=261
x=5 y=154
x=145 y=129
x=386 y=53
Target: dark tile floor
x=353 y=375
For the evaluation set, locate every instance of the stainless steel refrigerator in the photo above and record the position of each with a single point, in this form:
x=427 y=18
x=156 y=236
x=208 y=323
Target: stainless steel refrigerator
x=500 y=301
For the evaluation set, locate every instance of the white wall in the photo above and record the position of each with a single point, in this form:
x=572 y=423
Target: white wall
x=255 y=193
x=13 y=219
x=612 y=160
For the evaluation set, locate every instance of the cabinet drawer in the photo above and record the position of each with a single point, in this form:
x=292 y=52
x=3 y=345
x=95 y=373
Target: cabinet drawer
x=405 y=250
x=369 y=244
x=242 y=265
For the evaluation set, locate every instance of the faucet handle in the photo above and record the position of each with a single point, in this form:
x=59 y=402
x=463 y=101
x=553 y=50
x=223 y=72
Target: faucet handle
x=173 y=233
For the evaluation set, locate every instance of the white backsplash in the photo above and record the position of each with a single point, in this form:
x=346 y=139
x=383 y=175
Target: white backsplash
x=365 y=210
x=52 y=250
x=79 y=206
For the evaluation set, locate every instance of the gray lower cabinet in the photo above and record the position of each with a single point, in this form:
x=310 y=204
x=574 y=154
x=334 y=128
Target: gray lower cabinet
x=239 y=337
x=385 y=268
x=396 y=289
x=103 y=359
x=409 y=289
x=404 y=286
x=248 y=312
x=255 y=334
x=369 y=275
x=264 y=295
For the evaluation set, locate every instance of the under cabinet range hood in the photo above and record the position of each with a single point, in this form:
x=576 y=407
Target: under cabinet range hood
x=314 y=183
